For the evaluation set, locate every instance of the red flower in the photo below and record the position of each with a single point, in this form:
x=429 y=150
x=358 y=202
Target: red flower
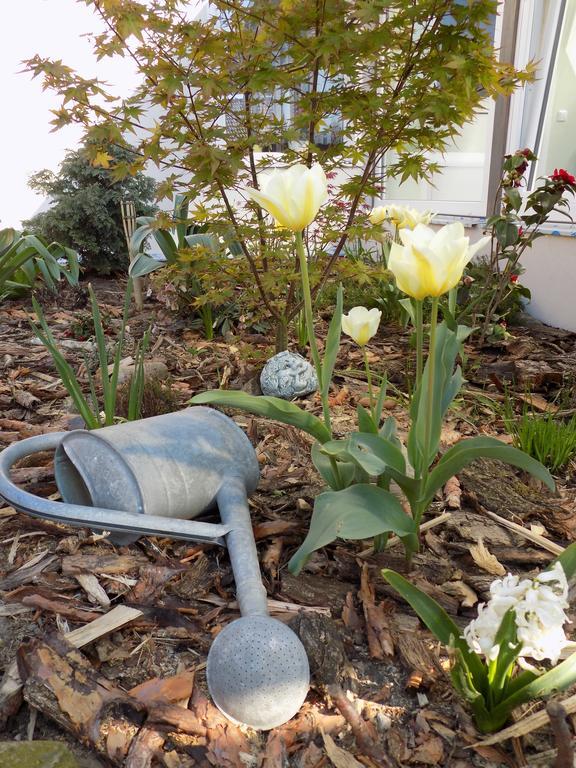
x=514 y=278
x=560 y=176
x=520 y=231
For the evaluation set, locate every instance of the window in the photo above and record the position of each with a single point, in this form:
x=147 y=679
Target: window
x=545 y=115
x=461 y=189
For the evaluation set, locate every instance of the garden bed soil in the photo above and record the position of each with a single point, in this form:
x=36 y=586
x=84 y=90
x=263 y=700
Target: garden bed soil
x=381 y=694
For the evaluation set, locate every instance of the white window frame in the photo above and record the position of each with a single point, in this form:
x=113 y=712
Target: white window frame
x=528 y=104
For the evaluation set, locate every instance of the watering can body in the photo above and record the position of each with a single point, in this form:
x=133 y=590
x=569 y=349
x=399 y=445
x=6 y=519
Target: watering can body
x=171 y=466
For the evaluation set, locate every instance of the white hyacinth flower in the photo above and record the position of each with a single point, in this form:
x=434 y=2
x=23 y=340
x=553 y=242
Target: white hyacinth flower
x=539 y=606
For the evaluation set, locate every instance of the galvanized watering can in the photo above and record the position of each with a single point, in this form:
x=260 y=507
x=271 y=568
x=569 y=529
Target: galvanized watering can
x=151 y=477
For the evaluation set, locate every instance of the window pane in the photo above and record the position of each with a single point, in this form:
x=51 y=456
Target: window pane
x=556 y=145
x=464 y=168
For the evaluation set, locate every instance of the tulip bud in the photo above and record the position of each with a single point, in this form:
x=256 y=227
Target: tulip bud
x=378 y=215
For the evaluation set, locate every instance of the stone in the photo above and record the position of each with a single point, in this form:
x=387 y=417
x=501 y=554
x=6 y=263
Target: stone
x=36 y=754
x=288 y=375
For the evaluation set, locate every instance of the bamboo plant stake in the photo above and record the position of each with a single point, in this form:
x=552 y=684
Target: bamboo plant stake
x=128 y=210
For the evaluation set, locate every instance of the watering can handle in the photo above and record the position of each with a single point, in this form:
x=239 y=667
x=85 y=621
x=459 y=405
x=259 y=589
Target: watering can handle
x=93 y=517
x=234 y=513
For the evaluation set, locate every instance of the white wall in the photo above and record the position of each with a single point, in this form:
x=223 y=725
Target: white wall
x=551 y=277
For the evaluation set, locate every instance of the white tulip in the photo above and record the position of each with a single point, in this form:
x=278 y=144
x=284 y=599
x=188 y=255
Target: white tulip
x=430 y=263
x=293 y=196
x=361 y=324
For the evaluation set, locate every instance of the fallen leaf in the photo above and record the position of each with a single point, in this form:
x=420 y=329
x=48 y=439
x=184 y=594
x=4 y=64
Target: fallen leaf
x=430 y=752
x=338 y=756
x=486 y=560
x=25 y=399
x=271 y=557
x=378 y=632
x=340 y=397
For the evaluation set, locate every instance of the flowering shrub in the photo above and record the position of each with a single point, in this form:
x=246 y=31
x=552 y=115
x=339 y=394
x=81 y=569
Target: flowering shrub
x=515 y=227
x=495 y=661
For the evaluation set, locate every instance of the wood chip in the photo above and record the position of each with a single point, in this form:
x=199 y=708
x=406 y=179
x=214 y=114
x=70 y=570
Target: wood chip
x=486 y=560
x=95 y=591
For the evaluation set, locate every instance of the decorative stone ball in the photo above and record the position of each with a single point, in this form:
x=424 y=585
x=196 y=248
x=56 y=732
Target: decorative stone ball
x=288 y=375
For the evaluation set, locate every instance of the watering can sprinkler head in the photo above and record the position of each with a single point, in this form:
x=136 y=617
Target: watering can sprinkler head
x=150 y=477
x=258 y=672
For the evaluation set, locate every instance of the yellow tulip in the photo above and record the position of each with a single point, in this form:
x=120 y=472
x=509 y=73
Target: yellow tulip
x=361 y=324
x=293 y=196
x=430 y=263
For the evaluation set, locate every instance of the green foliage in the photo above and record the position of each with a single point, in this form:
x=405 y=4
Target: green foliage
x=368 y=284
x=375 y=453
x=545 y=436
x=390 y=76
x=25 y=257
x=492 y=689
x=476 y=295
x=192 y=279
x=358 y=512
x=84 y=210
x=514 y=227
x=95 y=412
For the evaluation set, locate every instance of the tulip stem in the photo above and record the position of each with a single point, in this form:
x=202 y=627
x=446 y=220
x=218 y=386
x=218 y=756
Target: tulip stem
x=307 y=299
x=431 y=375
x=369 y=379
x=419 y=324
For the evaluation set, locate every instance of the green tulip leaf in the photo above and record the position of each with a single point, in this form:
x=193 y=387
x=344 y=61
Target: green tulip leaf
x=332 y=343
x=143 y=265
x=364 y=445
x=365 y=421
x=464 y=452
x=346 y=470
x=270 y=407
x=424 y=438
x=359 y=512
